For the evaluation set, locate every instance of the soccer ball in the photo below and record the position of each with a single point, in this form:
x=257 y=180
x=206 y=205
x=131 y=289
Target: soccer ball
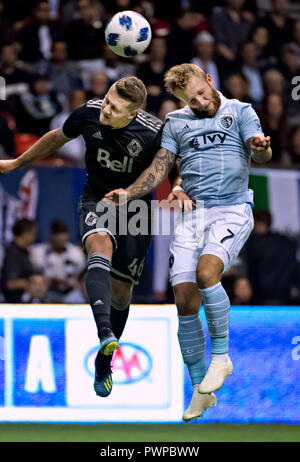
x=128 y=34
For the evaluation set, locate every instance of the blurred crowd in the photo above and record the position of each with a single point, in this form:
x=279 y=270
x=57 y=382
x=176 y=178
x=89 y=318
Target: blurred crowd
x=267 y=271
x=53 y=58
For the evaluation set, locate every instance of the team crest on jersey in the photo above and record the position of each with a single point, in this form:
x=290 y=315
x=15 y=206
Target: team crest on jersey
x=91 y=219
x=134 y=148
x=226 y=121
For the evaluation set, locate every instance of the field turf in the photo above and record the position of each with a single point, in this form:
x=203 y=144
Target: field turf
x=215 y=432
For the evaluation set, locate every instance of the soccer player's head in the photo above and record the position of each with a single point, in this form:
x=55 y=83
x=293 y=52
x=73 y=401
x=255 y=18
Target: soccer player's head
x=122 y=101
x=190 y=84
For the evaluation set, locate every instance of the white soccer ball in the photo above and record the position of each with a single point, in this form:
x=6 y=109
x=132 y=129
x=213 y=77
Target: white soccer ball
x=128 y=34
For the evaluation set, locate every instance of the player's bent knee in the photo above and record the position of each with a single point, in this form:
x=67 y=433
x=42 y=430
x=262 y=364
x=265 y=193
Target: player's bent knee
x=186 y=306
x=209 y=271
x=120 y=306
x=98 y=243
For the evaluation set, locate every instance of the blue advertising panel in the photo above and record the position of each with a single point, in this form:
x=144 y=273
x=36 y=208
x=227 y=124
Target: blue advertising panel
x=39 y=369
x=49 y=354
x=2 y=363
x=265 y=384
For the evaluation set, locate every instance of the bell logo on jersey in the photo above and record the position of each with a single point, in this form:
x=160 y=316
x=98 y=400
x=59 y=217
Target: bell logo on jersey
x=114 y=165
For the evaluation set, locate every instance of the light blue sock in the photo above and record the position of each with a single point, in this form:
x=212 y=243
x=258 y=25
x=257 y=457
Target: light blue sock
x=217 y=307
x=191 y=337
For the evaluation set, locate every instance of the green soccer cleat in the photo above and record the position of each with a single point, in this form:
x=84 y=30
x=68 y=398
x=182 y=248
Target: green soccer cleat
x=103 y=375
x=108 y=342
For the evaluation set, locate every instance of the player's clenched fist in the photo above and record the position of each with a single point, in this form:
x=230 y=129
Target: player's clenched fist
x=260 y=143
x=7 y=165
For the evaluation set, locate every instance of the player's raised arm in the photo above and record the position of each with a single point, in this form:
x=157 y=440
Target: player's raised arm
x=260 y=148
x=44 y=147
x=149 y=179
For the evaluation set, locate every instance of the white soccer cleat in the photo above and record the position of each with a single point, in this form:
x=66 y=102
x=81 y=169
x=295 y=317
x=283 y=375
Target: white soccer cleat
x=198 y=404
x=216 y=374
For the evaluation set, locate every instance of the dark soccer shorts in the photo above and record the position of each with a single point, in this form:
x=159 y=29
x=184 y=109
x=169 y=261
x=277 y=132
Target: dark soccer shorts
x=129 y=248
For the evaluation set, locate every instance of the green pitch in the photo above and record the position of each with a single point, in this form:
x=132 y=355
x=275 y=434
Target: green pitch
x=220 y=432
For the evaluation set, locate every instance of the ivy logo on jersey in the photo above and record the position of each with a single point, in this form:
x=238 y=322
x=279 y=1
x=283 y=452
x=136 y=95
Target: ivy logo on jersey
x=131 y=363
x=134 y=148
x=91 y=219
x=226 y=121
x=213 y=138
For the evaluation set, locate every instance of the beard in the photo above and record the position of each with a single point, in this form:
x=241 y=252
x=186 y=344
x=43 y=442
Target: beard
x=216 y=100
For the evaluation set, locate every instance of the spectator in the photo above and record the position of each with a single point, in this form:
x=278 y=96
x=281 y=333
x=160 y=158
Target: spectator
x=205 y=45
x=111 y=64
x=7 y=139
x=35 y=39
x=295 y=146
x=17 y=267
x=273 y=82
x=152 y=73
x=16 y=79
x=180 y=41
x=34 y=109
x=37 y=290
x=74 y=151
x=85 y=35
x=59 y=260
x=64 y=74
x=168 y=105
x=271 y=262
x=260 y=36
x=290 y=63
x=237 y=86
x=99 y=85
x=249 y=68
x=274 y=123
x=159 y=27
x=79 y=294
x=279 y=25
x=296 y=38
x=230 y=28
x=242 y=291
x=7 y=31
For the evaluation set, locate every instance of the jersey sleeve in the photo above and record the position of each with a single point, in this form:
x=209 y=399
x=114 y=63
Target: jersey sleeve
x=72 y=127
x=249 y=123
x=168 y=141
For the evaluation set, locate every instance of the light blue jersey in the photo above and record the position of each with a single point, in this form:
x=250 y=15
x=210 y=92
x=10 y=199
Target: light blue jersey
x=214 y=159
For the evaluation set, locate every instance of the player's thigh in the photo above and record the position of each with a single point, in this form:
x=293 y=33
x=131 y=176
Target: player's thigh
x=187 y=298
x=129 y=257
x=96 y=233
x=228 y=232
x=121 y=292
x=184 y=255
